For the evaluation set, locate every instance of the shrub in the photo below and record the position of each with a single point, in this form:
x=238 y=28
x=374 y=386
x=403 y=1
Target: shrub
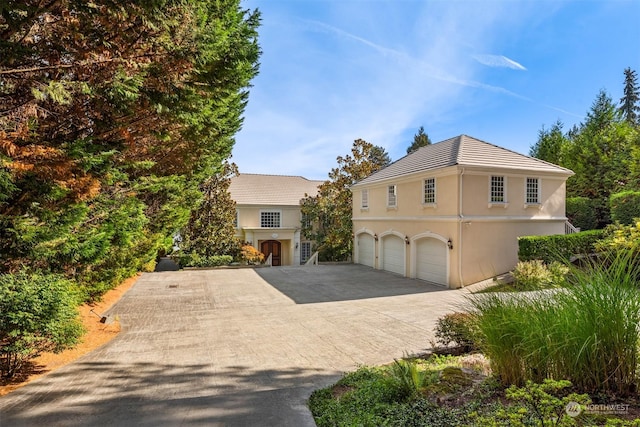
x=558 y=247
x=620 y=238
x=581 y=212
x=38 y=313
x=196 y=260
x=587 y=333
x=251 y=255
x=459 y=329
x=409 y=376
x=534 y=275
x=625 y=206
x=542 y=404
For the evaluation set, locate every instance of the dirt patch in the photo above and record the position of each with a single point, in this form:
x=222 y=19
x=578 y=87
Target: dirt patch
x=97 y=335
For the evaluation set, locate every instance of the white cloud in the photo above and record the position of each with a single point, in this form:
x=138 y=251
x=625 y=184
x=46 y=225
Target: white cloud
x=498 y=61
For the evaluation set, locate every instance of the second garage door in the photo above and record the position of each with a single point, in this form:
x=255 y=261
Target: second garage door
x=431 y=260
x=393 y=254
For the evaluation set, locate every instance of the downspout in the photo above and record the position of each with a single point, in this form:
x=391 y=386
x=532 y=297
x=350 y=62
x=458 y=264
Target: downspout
x=460 y=221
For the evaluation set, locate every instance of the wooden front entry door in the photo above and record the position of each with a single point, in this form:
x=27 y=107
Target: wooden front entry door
x=271 y=247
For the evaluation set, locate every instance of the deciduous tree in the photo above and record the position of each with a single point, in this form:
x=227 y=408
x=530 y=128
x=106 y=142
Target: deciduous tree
x=211 y=228
x=328 y=215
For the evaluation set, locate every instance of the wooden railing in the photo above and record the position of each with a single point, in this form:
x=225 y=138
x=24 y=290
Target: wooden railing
x=570 y=229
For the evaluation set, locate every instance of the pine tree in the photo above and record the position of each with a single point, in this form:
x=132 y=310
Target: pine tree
x=550 y=144
x=630 y=102
x=421 y=139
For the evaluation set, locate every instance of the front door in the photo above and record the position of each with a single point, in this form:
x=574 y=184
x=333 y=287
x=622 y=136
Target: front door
x=271 y=247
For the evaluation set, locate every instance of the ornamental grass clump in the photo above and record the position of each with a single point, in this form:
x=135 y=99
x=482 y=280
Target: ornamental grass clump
x=587 y=333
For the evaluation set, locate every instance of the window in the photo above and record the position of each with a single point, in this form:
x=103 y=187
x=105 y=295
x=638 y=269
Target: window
x=533 y=191
x=429 y=196
x=236 y=221
x=391 y=196
x=270 y=219
x=305 y=252
x=365 y=199
x=497 y=190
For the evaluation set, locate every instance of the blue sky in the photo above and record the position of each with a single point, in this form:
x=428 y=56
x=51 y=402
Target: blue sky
x=333 y=71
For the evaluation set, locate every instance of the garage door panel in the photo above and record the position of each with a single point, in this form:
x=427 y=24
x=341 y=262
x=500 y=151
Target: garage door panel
x=393 y=254
x=365 y=250
x=431 y=260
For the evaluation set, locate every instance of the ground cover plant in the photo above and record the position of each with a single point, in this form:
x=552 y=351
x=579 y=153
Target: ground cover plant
x=450 y=394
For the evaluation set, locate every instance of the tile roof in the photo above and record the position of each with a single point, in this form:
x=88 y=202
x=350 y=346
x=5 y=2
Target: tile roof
x=462 y=150
x=257 y=189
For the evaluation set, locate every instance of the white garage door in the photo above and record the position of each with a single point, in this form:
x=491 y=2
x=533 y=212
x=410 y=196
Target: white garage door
x=365 y=249
x=431 y=260
x=393 y=254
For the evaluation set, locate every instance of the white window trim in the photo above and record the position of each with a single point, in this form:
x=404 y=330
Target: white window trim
x=364 y=197
x=435 y=192
x=395 y=196
x=302 y=245
x=279 y=211
x=505 y=202
x=528 y=204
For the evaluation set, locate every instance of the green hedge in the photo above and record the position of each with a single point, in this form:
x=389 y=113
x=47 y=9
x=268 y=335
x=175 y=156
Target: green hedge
x=558 y=247
x=582 y=212
x=625 y=206
x=196 y=260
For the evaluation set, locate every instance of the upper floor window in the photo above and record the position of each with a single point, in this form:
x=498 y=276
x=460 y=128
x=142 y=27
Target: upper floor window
x=365 y=199
x=429 y=193
x=533 y=191
x=497 y=191
x=270 y=219
x=391 y=196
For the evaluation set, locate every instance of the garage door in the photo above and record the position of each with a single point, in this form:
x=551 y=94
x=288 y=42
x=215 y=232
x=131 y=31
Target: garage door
x=393 y=254
x=365 y=249
x=431 y=260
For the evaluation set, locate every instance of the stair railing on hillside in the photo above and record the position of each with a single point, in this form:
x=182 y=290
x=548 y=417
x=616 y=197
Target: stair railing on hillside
x=570 y=229
x=313 y=259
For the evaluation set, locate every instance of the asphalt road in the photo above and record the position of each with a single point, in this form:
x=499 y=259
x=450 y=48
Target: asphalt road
x=238 y=347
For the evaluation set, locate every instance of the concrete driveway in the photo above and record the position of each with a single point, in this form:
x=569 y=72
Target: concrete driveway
x=234 y=347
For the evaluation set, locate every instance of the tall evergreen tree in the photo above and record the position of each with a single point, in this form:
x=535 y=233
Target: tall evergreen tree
x=113 y=113
x=421 y=139
x=599 y=155
x=550 y=145
x=630 y=102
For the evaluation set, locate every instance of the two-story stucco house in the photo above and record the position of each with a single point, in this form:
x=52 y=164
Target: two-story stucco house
x=269 y=217
x=451 y=212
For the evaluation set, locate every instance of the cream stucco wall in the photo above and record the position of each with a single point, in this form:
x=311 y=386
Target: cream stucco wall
x=288 y=234
x=483 y=235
